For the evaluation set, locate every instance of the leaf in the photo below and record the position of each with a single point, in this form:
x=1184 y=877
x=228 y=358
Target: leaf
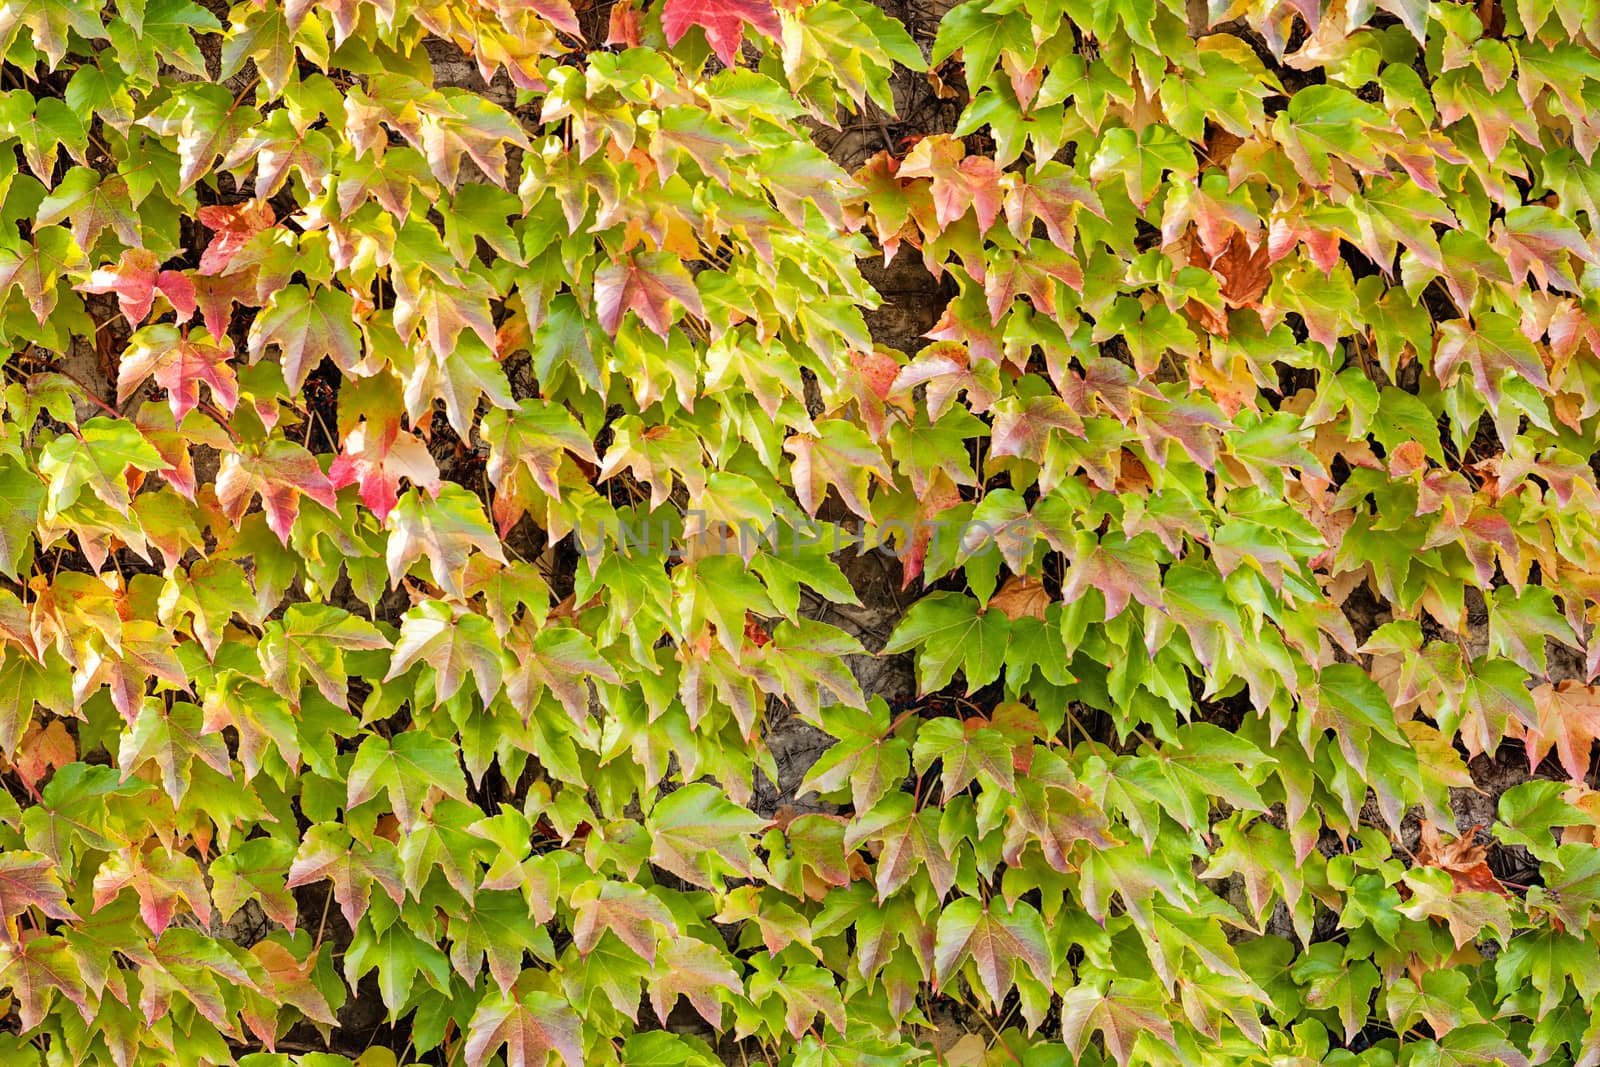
x=839 y=456
x=560 y=659
x=996 y=940
x=1491 y=347
x=232 y=227
x=645 y=283
x=496 y=927
x=376 y=458
x=538 y=436
x=172 y=738
x=255 y=870
x=309 y=643
x=637 y=918
x=203 y=120
x=34 y=967
x=723 y=22
x=1336 y=983
x=327 y=852
x=950 y=631
x=1127 y=1010
x=291 y=983
x=98 y=455
x=1568 y=719
x=48 y=256
x=697 y=833
x=280 y=473
x=28 y=879
x=966 y=750
x=307 y=328
x=529 y=1024
x=690 y=967
x=1465 y=861
x=179 y=364
x=136 y=279
x=160 y=879
x=454 y=643
x=408 y=768
x=443 y=530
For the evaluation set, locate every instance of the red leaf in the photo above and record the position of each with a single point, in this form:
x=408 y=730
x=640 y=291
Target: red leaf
x=1469 y=871
x=232 y=226
x=281 y=473
x=377 y=459
x=179 y=365
x=1569 y=720
x=723 y=22
x=136 y=280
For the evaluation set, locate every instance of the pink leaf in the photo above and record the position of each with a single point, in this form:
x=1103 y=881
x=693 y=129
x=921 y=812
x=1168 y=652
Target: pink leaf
x=723 y=22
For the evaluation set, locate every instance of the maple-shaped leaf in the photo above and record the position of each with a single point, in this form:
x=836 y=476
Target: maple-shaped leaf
x=964 y=751
x=34 y=966
x=529 y=1023
x=203 y=121
x=839 y=456
x=306 y=328
x=309 y=642
x=538 y=435
x=1055 y=817
x=1332 y=982
x=1568 y=718
x=180 y=361
x=959 y=181
x=456 y=124
x=723 y=22
x=1491 y=348
x=496 y=928
x=46 y=747
x=376 y=457
x=91 y=203
x=646 y=282
x=1118 y=569
x=631 y=912
x=281 y=472
x=327 y=852
x=215 y=295
x=1130 y=1008
x=171 y=738
x=444 y=530
x=289 y=982
x=998 y=940
x=455 y=643
x=908 y=843
x=136 y=279
x=952 y=631
x=232 y=227
x=560 y=659
x=159 y=878
x=51 y=22
x=697 y=833
x=689 y=967
x=38 y=264
x=408 y=768
x=254 y=870
x=28 y=879
x=98 y=455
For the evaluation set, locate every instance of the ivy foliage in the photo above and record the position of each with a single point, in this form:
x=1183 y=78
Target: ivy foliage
x=391 y=392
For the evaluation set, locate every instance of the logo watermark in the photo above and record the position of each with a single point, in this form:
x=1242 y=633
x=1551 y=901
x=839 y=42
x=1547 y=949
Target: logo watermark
x=893 y=537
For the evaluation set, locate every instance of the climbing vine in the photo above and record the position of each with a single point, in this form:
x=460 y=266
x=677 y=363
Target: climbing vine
x=451 y=451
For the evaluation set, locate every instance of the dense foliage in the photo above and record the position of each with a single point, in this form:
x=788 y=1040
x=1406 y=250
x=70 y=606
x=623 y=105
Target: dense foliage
x=415 y=419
